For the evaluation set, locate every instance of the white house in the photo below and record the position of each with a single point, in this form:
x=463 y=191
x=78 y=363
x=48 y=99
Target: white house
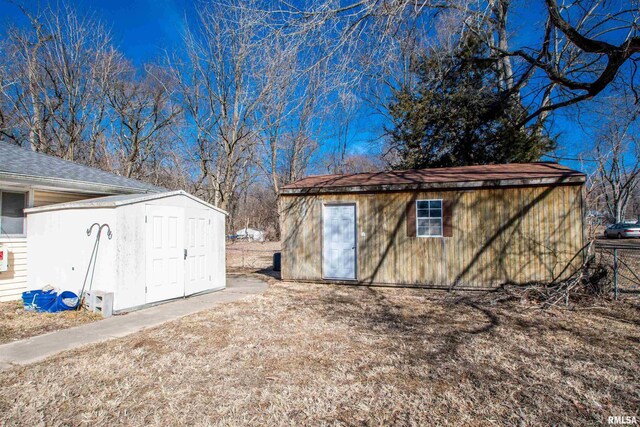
x=164 y=244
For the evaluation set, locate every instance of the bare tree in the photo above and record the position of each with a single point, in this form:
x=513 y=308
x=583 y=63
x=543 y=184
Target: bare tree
x=58 y=74
x=583 y=46
x=22 y=104
x=78 y=67
x=617 y=152
x=576 y=61
x=358 y=163
x=290 y=136
x=220 y=90
x=285 y=95
x=142 y=113
x=337 y=161
x=609 y=155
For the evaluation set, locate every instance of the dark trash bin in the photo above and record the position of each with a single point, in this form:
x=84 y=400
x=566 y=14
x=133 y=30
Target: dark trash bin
x=276 y=261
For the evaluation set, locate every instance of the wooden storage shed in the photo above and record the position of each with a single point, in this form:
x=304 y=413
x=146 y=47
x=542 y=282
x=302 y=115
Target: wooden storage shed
x=470 y=227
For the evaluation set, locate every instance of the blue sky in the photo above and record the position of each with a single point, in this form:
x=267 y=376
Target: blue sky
x=141 y=29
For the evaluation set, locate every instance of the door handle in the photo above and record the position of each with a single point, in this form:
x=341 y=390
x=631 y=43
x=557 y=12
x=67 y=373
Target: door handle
x=185 y=254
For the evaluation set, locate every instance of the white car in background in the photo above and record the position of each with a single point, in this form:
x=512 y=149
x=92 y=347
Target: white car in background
x=622 y=230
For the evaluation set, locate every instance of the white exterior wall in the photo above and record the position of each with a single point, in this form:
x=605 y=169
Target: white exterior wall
x=130 y=257
x=121 y=266
x=60 y=250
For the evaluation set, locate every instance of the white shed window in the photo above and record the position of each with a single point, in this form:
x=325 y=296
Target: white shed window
x=12 y=206
x=429 y=218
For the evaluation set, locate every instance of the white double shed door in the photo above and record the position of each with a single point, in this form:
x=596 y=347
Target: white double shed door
x=179 y=246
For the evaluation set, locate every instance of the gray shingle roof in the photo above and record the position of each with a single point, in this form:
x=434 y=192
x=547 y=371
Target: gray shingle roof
x=119 y=200
x=23 y=165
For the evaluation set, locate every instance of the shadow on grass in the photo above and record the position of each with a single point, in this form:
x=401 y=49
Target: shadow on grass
x=545 y=363
x=438 y=334
x=269 y=272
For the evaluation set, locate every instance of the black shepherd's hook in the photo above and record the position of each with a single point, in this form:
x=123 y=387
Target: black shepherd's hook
x=94 y=256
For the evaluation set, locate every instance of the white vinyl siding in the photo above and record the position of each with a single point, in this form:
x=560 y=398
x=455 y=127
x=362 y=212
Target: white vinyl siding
x=14 y=281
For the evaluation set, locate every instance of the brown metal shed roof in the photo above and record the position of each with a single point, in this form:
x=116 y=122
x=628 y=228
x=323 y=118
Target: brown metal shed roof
x=514 y=174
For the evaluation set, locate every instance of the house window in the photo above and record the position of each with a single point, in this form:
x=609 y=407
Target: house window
x=12 y=212
x=429 y=218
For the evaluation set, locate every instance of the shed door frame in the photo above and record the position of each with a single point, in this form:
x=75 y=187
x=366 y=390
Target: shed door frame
x=165 y=274
x=355 y=241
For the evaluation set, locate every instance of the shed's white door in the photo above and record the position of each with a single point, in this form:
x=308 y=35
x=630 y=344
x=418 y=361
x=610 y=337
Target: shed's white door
x=339 y=241
x=165 y=252
x=198 y=247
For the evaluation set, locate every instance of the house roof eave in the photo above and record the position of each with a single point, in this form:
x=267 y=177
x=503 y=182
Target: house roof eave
x=69 y=185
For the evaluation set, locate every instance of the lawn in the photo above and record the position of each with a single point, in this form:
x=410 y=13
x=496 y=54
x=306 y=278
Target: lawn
x=304 y=354
x=245 y=255
x=17 y=324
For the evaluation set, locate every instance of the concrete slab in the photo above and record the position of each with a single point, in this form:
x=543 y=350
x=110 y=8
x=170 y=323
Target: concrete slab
x=38 y=348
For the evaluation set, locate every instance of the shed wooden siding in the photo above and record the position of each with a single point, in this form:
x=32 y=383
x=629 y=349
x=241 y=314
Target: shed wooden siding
x=518 y=234
x=14 y=281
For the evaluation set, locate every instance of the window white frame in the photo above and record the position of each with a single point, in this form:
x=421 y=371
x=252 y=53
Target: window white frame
x=418 y=218
x=27 y=199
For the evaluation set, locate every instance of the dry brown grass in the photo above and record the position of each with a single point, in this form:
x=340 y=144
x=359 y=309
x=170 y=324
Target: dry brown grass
x=243 y=255
x=17 y=324
x=306 y=354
